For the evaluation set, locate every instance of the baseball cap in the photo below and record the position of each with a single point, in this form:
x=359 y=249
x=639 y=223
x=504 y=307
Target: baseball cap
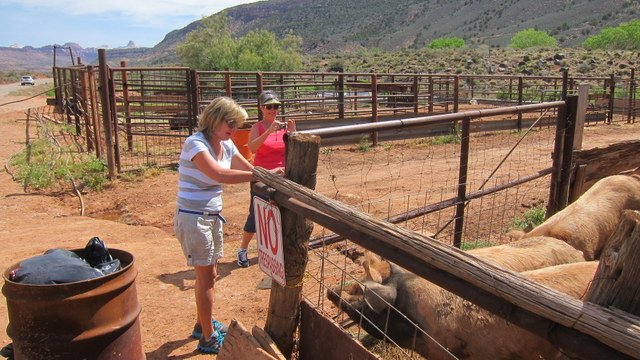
x=268 y=97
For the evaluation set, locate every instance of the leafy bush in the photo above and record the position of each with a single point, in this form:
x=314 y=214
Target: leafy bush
x=212 y=47
x=446 y=43
x=532 y=38
x=625 y=36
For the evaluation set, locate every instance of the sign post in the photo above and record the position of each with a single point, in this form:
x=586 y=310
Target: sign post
x=269 y=235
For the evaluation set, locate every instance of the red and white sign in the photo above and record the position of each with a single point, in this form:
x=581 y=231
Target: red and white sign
x=269 y=234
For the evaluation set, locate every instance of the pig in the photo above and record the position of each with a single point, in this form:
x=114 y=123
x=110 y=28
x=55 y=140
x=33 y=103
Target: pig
x=587 y=223
x=450 y=326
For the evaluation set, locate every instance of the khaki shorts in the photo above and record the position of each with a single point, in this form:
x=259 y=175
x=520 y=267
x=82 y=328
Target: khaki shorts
x=200 y=237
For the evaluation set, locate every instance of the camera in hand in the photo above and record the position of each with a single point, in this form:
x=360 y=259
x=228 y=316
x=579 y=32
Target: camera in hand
x=282 y=126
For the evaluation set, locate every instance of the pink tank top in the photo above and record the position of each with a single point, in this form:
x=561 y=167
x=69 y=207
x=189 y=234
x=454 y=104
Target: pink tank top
x=270 y=154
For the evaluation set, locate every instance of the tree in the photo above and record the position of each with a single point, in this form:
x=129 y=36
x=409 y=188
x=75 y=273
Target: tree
x=212 y=47
x=625 y=36
x=446 y=43
x=532 y=38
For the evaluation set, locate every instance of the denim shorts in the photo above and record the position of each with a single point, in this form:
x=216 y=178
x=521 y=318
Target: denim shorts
x=200 y=237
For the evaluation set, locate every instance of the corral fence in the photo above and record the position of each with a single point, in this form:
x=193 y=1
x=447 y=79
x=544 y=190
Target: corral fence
x=602 y=333
x=148 y=111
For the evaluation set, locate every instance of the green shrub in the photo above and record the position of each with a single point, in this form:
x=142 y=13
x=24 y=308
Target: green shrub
x=531 y=218
x=532 y=38
x=364 y=145
x=446 y=43
x=212 y=47
x=625 y=36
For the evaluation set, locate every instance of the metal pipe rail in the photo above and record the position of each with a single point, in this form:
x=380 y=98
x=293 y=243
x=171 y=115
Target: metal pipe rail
x=428 y=120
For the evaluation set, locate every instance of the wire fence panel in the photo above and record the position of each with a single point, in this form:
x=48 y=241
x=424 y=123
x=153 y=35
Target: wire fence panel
x=154 y=109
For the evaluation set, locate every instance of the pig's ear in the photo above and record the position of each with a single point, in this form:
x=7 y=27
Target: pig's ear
x=378 y=296
x=376 y=268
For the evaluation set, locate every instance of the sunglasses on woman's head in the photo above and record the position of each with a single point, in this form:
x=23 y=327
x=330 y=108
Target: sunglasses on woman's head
x=272 y=106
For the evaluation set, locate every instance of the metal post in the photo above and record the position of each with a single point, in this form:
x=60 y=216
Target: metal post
x=462 y=183
x=374 y=107
x=520 y=100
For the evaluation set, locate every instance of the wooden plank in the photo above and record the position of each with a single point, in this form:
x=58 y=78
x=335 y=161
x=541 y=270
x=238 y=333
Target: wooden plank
x=580 y=329
x=583 y=102
x=240 y=344
x=266 y=342
x=617 y=280
x=334 y=343
x=609 y=160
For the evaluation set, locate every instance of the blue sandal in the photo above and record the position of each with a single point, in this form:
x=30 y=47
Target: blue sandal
x=217 y=325
x=211 y=346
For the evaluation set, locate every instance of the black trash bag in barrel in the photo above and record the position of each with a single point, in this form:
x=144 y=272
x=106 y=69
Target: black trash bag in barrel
x=97 y=255
x=56 y=266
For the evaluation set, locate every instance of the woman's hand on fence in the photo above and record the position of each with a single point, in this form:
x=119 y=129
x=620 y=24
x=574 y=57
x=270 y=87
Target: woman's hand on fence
x=278 y=171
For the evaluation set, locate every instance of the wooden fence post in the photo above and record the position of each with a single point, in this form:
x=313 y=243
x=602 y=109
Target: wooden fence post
x=284 y=303
x=615 y=283
x=562 y=151
x=105 y=99
x=95 y=122
x=340 y=91
x=583 y=102
x=88 y=124
x=259 y=88
x=456 y=93
x=430 y=96
x=632 y=96
x=416 y=91
x=194 y=95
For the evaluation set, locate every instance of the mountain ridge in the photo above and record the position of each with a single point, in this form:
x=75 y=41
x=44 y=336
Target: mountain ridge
x=333 y=26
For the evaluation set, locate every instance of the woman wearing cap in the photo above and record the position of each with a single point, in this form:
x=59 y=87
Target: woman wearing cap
x=266 y=141
x=208 y=159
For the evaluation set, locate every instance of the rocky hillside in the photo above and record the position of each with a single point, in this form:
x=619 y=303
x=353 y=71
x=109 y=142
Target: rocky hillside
x=483 y=60
x=335 y=25
x=392 y=35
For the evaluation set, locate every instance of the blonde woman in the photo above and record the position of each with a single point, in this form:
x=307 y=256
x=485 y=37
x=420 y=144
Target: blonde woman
x=208 y=159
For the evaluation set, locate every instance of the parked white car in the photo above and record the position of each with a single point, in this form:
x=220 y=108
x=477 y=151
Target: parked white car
x=27 y=80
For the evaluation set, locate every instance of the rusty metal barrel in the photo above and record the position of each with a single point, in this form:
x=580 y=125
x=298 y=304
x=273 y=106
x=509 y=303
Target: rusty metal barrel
x=91 y=319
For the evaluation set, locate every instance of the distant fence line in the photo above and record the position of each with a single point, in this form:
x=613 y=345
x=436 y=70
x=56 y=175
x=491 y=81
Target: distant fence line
x=149 y=110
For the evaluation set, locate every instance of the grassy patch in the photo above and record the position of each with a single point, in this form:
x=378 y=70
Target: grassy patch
x=364 y=145
x=465 y=246
x=45 y=164
x=531 y=218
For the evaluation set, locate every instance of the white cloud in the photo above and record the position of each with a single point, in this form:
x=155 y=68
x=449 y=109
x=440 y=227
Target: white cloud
x=143 y=12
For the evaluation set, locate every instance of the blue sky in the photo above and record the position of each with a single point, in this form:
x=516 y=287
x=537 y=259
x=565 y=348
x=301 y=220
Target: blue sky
x=94 y=23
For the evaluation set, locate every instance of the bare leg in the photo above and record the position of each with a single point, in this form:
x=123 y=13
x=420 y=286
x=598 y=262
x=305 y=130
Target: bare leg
x=246 y=239
x=205 y=280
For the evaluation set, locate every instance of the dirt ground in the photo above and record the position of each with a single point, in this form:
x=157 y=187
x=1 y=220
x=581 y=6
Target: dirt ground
x=136 y=217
